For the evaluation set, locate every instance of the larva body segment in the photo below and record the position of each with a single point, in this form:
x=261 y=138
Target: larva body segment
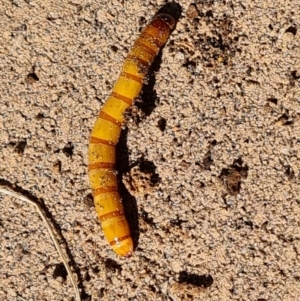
x=106 y=132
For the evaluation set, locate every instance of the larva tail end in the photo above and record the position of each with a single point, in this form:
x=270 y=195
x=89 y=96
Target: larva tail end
x=168 y=19
x=124 y=248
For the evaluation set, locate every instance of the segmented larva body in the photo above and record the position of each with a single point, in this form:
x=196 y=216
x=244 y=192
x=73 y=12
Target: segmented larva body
x=106 y=132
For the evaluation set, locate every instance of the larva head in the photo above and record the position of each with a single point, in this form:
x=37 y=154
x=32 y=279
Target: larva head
x=159 y=30
x=167 y=19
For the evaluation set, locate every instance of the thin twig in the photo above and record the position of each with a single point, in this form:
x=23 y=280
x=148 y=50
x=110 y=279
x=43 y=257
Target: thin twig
x=50 y=230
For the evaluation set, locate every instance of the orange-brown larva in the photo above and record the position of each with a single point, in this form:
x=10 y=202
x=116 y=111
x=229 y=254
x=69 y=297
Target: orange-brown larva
x=106 y=132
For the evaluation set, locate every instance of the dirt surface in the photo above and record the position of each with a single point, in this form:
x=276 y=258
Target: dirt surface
x=209 y=159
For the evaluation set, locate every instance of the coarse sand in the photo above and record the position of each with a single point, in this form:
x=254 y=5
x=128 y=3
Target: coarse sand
x=209 y=159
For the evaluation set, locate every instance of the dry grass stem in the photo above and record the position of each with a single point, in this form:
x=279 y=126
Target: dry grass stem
x=51 y=232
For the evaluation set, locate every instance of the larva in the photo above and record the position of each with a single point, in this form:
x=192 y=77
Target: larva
x=106 y=132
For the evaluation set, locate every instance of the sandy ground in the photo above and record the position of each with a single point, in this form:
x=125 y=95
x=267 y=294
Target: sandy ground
x=209 y=157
